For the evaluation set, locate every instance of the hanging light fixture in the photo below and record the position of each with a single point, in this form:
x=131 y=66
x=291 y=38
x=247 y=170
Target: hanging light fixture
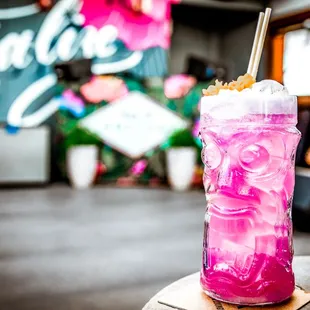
x=307 y=157
x=142 y=6
x=136 y=5
x=46 y=5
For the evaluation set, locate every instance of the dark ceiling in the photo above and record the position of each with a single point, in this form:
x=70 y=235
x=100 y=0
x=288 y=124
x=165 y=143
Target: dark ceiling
x=212 y=18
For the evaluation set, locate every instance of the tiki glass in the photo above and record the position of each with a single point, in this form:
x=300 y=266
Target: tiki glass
x=250 y=142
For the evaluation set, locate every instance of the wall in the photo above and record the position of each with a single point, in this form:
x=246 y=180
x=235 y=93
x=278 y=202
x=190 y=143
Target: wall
x=284 y=7
x=187 y=40
x=231 y=47
x=15 y=81
x=199 y=31
x=32 y=45
x=236 y=48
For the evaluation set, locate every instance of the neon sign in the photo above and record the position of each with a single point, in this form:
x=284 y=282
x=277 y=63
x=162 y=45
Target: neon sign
x=61 y=37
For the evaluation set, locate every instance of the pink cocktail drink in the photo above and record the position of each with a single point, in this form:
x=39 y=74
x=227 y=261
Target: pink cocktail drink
x=250 y=142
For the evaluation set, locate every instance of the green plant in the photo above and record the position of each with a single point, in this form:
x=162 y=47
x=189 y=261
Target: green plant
x=80 y=136
x=182 y=138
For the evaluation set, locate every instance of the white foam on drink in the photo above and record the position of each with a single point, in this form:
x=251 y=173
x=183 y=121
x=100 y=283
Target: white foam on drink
x=269 y=87
x=265 y=97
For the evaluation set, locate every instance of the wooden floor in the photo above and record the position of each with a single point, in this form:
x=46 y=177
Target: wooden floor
x=104 y=248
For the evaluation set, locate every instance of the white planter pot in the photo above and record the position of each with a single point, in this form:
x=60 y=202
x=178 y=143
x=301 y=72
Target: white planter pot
x=181 y=164
x=82 y=165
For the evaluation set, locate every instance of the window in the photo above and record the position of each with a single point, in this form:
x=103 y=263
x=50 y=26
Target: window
x=296 y=62
x=290 y=55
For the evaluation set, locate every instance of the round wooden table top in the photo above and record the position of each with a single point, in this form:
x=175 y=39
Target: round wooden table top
x=301 y=265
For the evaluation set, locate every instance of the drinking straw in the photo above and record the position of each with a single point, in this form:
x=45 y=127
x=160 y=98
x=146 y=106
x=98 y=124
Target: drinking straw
x=255 y=43
x=261 y=42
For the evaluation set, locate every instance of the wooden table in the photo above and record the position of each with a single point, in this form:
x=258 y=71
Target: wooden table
x=301 y=268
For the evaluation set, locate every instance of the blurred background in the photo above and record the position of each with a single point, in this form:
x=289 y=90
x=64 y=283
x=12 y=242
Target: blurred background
x=102 y=201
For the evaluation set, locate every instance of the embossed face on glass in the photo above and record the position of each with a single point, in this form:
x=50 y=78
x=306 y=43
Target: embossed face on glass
x=235 y=158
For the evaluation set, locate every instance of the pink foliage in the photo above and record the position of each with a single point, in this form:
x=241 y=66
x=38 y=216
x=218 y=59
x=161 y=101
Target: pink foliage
x=104 y=88
x=139 y=30
x=139 y=167
x=196 y=128
x=71 y=97
x=177 y=86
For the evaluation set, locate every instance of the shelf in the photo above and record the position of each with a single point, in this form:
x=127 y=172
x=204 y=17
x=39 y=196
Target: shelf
x=226 y=5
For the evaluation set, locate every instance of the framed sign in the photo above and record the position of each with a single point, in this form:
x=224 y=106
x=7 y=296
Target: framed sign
x=134 y=124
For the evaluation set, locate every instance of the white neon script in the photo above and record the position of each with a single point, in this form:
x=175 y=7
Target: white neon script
x=19 y=50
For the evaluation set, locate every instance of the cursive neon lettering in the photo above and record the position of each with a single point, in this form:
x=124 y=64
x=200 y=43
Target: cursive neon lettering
x=7 y=47
x=66 y=49
x=51 y=27
x=20 y=56
x=22 y=102
x=20 y=50
x=88 y=42
x=103 y=44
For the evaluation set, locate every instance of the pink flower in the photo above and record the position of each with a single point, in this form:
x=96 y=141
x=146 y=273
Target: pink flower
x=198 y=106
x=71 y=102
x=126 y=181
x=70 y=96
x=104 y=88
x=101 y=169
x=196 y=128
x=139 y=167
x=154 y=182
x=177 y=86
x=139 y=28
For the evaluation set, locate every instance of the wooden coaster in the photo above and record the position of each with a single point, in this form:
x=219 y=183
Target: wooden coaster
x=190 y=297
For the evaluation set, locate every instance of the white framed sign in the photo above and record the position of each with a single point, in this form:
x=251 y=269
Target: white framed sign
x=133 y=125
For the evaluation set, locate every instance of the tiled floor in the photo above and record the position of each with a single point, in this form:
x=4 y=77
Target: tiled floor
x=99 y=249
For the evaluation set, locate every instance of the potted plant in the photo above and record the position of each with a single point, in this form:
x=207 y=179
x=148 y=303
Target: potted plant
x=81 y=147
x=181 y=159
